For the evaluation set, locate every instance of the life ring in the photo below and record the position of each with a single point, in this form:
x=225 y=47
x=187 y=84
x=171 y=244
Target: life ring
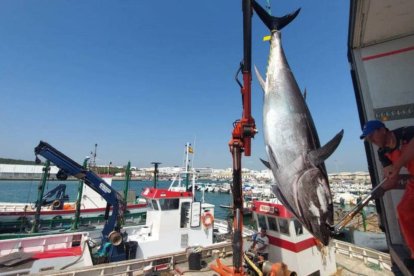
x=207 y=219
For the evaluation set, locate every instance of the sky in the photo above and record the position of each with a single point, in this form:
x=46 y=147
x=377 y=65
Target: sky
x=142 y=78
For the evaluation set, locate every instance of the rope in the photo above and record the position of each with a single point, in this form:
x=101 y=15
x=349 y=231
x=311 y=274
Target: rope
x=268 y=7
x=77 y=260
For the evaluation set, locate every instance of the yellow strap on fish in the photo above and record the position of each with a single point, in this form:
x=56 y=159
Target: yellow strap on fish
x=267 y=38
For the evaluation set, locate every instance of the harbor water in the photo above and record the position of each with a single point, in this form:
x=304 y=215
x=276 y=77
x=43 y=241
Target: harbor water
x=25 y=191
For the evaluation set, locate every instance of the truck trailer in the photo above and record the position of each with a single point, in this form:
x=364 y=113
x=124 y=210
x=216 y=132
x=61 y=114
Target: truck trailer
x=381 y=57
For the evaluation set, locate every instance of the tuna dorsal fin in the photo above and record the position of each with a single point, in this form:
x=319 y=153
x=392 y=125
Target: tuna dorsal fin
x=266 y=163
x=260 y=78
x=316 y=157
x=272 y=22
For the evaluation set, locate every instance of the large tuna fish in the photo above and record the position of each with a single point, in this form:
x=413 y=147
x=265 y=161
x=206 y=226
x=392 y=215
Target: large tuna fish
x=292 y=144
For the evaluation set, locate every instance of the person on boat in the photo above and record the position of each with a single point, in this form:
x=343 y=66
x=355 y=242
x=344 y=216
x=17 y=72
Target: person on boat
x=396 y=150
x=261 y=244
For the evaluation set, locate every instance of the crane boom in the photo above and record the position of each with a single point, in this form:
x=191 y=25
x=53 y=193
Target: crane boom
x=69 y=167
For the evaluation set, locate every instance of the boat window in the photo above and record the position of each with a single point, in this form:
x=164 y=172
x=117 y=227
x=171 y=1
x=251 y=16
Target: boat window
x=169 y=203
x=298 y=227
x=284 y=226
x=272 y=224
x=155 y=205
x=262 y=221
x=185 y=214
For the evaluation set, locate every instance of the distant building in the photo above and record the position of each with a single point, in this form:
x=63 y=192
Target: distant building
x=11 y=171
x=359 y=177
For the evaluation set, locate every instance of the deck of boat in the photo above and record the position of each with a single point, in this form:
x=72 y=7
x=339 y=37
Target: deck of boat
x=350 y=259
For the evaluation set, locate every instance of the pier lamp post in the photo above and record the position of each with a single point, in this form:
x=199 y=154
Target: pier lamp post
x=109 y=166
x=155 y=172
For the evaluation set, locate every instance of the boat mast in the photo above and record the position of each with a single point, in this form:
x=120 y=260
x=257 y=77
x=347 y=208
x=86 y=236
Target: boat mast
x=126 y=188
x=187 y=164
x=92 y=160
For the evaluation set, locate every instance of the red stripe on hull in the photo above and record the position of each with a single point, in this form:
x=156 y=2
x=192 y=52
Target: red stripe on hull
x=55 y=253
x=291 y=246
x=66 y=212
x=395 y=52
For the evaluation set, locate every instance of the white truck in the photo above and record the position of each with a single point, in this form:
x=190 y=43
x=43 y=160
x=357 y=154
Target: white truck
x=381 y=55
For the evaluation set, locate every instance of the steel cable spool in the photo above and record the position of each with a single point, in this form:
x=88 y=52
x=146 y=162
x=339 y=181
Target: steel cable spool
x=115 y=238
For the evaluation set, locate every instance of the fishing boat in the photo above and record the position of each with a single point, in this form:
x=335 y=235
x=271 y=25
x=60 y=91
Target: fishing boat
x=175 y=221
x=247 y=207
x=58 y=213
x=290 y=242
x=225 y=188
x=294 y=251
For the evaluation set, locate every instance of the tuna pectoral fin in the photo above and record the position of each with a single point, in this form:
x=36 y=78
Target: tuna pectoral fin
x=316 y=157
x=267 y=164
x=260 y=78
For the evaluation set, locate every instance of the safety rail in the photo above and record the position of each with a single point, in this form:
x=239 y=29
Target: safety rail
x=137 y=267
x=368 y=256
x=41 y=244
x=12 y=207
x=223 y=249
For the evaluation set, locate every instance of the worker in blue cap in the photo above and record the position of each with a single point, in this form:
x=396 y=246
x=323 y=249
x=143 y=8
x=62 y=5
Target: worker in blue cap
x=396 y=150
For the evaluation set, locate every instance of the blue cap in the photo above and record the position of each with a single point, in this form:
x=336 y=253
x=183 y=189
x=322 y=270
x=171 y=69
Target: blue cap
x=370 y=127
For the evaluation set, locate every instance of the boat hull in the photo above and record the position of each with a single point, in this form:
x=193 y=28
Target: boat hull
x=16 y=218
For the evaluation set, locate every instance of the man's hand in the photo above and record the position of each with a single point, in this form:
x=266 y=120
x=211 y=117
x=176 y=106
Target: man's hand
x=378 y=193
x=392 y=171
x=391 y=183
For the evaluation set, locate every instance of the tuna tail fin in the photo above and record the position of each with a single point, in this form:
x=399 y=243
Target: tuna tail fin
x=260 y=78
x=272 y=22
x=318 y=156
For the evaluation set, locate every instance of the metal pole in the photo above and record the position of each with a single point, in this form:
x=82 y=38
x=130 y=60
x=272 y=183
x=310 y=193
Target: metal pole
x=41 y=190
x=75 y=223
x=348 y=217
x=237 y=210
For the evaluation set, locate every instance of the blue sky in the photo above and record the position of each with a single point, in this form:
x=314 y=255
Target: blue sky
x=142 y=78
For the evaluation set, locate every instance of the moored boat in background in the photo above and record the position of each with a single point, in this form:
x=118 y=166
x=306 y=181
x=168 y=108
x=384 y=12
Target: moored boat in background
x=58 y=213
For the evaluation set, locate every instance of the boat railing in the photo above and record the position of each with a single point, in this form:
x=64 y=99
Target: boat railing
x=137 y=267
x=12 y=207
x=367 y=255
x=222 y=249
x=41 y=244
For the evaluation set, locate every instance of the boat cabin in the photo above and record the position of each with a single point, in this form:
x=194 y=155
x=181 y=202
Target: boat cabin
x=174 y=222
x=290 y=242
